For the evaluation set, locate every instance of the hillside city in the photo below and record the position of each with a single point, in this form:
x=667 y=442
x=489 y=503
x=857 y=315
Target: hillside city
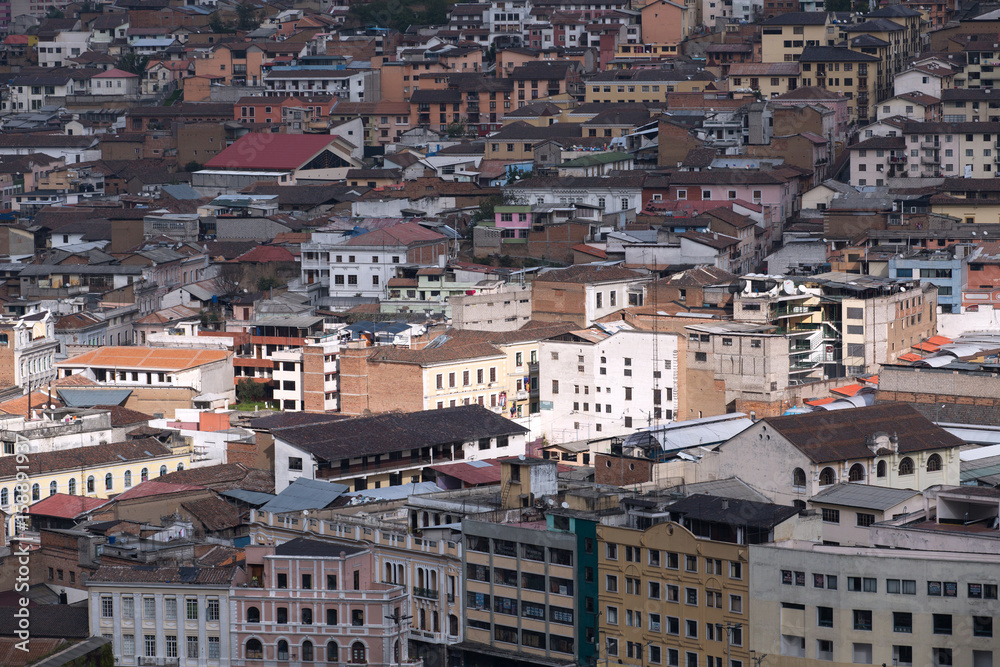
x=514 y=333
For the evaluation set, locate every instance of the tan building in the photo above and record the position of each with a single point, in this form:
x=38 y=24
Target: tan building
x=643 y=85
x=784 y=36
x=667 y=597
x=771 y=79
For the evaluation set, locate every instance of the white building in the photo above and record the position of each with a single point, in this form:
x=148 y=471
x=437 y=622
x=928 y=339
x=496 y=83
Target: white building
x=349 y=85
x=295 y=372
x=114 y=82
x=65 y=45
x=605 y=382
x=163 y=615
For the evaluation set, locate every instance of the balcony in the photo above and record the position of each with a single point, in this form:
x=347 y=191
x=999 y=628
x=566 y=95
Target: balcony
x=930 y=159
x=897 y=159
x=427 y=593
x=162 y=662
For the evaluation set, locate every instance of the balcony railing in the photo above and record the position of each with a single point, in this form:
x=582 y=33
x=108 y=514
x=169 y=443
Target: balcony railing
x=429 y=593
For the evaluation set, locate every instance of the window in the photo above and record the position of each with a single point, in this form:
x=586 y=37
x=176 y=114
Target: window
x=128 y=605
x=149 y=645
x=982 y=626
x=170 y=609
x=107 y=606
x=149 y=608
x=942 y=624
x=824 y=617
x=934 y=463
x=170 y=642
x=863 y=619
x=906 y=466
x=191 y=605
x=612 y=614
x=214 y=649
x=865 y=520
x=942 y=657
x=282 y=650
x=294 y=463
x=799 y=477
x=902 y=621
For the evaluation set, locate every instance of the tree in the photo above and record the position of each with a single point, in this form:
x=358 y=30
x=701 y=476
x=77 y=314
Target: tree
x=457 y=130
x=193 y=165
x=248 y=391
x=54 y=13
x=217 y=25
x=133 y=63
x=227 y=281
x=265 y=283
x=247 y=17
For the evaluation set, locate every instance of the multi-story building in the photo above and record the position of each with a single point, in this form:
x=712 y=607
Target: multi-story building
x=785 y=35
x=164 y=615
x=362 y=265
x=877 y=159
x=391 y=449
x=505 y=310
x=668 y=597
x=530 y=589
x=429 y=571
x=644 y=85
x=932 y=606
x=306 y=378
x=596 y=384
x=585 y=293
x=347 y=84
x=860 y=76
x=946 y=269
x=951 y=149
x=792 y=458
x=28 y=347
x=964 y=105
x=308 y=600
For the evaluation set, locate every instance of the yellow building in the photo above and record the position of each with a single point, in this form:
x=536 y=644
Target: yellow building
x=784 y=36
x=97 y=471
x=771 y=79
x=668 y=598
x=643 y=85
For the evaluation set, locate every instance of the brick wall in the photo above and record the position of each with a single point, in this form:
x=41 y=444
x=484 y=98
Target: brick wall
x=313 y=395
x=622 y=470
x=242 y=452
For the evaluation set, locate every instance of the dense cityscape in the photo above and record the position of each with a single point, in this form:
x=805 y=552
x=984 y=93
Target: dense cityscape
x=515 y=333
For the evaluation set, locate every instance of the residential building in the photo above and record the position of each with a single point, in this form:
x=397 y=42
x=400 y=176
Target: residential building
x=849 y=510
x=875 y=160
x=857 y=75
x=362 y=265
x=885 y=445
x=308 y=600
x=527 y=586
x=952 y=150
x=28 y=349
x=161 y=379
x=816 y=602
x=644 y=85
x=595 y=384
x=505 y=310
x=669 y=597
x=948 y=270
x=784 y=36
x=164 y=615
x=614 y=194
x=347 y=84
x=391 y=449
x=585 y=293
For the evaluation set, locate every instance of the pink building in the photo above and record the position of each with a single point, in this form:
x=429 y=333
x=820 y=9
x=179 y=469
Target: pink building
x=314 y=601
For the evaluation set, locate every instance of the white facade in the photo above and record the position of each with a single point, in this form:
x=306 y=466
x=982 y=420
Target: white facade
x=605 y=298
x=351 y=86
x=287 y=377
x=66 y=45
x=609 y=387
x=919 y=81
x=347 y=271
x=103 y=84
x=151 y=623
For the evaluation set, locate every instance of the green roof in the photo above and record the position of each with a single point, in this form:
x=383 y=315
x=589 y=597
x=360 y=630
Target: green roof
x=599 y=158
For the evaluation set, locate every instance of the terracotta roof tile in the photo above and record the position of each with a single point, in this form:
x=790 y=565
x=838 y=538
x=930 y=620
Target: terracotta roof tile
x=64 y=506
x=86 y=457
x=152 y=358
x=148 y=574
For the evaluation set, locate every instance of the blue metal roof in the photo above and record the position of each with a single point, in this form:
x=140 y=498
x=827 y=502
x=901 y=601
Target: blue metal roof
x=305 y=494
x=89 y=397
x=250 y=497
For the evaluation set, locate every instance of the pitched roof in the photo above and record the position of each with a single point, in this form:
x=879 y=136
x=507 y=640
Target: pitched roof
x=214 y=513
x=824 y=54
x=64 y=506
x=731 y=511
x=393 y=432
x=403 y=234
x=224 y=476
x=266 y=254
x=86 y=457
x=863 y=495
x=588 y=273
x=837 y=435
x=115 y=73
x=122 y=416
x=151 y=574
x=798 y=18
x=146 y=358
x=271 y=151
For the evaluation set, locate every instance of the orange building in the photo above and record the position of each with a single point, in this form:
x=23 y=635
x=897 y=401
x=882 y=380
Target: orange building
x=271 y=109
x=233 y=64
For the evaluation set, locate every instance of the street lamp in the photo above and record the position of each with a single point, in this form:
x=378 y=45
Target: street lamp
x=757 y=659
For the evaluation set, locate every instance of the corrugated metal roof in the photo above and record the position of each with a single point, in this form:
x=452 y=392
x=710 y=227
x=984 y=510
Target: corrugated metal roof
x=88 y=398
x=691 y=433
x=864 y=496
x=305 y=494
x=250 y=497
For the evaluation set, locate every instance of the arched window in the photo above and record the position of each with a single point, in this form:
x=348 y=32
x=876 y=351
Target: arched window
x=307 y=616
x=90 y=484
x=934 y=463
x=388 y=573
x=827 y=477
x=180 y=466
x=4 y=497
x=435 y=618
x=71 y=487
x=144 y=475
x=906 y=466
x=53 y=488
x=307 y=651
x=880 y=469
x=128 y=479
x=423 y=619
x=254 y=650
x=358 y=653
x=253 y=615
x=799 y=504
x=452 y=626
x=282 y=650
x=798 y=477
x=332 y=651
x=109 y=482
x=856 y=473
x=163 y=470
x=36 y=492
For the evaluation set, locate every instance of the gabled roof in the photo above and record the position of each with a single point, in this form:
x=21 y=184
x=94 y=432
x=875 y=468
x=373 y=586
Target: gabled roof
x=588 y=273
x=864 y=496
x=838 y=435
x=403 y=234
x=798 y=18
x=268 y=151
x=64 y=506
x=731 y=511
x=187 y=576
x=394 y=432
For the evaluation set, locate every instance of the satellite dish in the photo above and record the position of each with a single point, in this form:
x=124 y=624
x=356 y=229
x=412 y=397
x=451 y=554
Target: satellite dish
x=803 y=289
x=774 y=291
x=789 y=287
x=565 y=506
x=748 y=288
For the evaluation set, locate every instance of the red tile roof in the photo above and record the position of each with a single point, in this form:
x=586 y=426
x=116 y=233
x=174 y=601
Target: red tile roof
x=116 y=73
x=590 y=250
x=910 y=356
x=402 y=234
x=154 y=488
x=926 y=347
x=264 y=254
x=939 y=340
x=819 y=401
x=64 y=506
x=271 y=151
x=847 y=390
